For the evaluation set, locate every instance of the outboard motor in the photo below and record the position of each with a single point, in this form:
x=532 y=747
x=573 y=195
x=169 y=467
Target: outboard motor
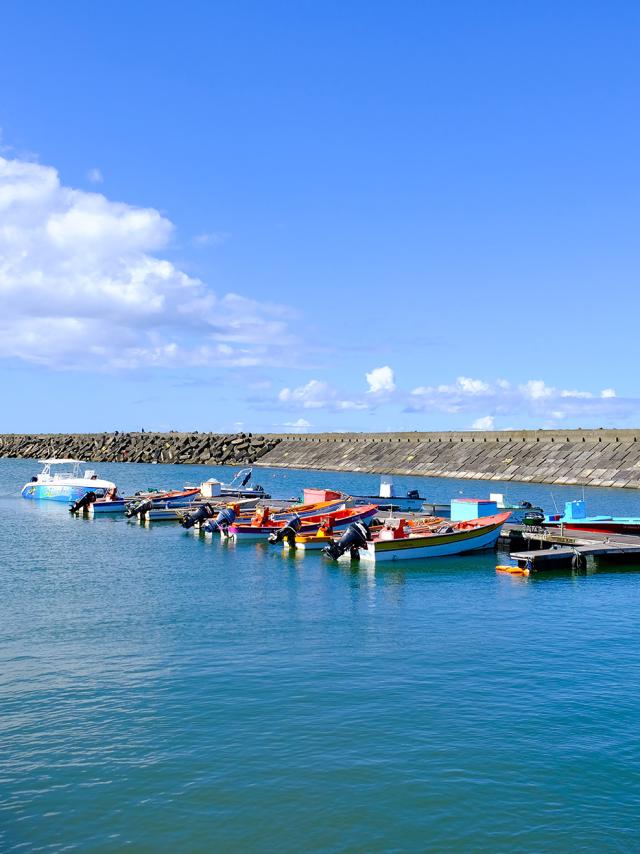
x=353 y=539
x=87 y=499
x=198 y=516
x=138 y=507
x=287 y=533
x=413 y=493
x=226 y=517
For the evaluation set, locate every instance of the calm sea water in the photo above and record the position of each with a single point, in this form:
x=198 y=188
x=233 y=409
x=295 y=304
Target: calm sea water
x=164 y=692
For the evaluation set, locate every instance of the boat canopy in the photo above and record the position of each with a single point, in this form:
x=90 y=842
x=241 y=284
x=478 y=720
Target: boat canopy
x=58 y=462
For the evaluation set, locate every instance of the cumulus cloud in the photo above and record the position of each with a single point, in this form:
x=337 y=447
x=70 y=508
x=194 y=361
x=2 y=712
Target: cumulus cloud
x=462 y=386
x=534 y=398
x=81 y=285
x=487 y=422
x=381 y=380
x=317 y=394
x=489 y=404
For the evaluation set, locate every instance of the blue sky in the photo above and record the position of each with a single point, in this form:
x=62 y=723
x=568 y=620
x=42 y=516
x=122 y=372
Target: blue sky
x=333 y=216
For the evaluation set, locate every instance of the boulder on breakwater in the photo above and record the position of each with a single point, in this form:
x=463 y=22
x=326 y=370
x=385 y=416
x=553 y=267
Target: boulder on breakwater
x=198 y=448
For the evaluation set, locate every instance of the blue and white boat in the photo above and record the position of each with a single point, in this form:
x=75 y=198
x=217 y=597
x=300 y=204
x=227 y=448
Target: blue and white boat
x=66 y=485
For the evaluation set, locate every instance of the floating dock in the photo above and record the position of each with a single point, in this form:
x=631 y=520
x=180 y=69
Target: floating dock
x=552 y=550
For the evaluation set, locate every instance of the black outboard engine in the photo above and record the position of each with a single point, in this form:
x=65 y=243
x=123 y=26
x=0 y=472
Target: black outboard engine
x=87 y=499
x=353 y=539
x=198 y=516
x=138 y=507
x=413 y=493
x=226 y=517
x=287 y=533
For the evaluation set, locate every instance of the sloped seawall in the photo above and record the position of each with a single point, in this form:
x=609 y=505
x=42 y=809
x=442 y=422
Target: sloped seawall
x=589 y=457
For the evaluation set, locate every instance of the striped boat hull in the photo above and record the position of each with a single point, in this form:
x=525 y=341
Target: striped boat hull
x=434 y=545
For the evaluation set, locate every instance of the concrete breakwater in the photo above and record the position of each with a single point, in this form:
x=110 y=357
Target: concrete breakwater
x=589 y=457
x=585 y=457
x=207 y=448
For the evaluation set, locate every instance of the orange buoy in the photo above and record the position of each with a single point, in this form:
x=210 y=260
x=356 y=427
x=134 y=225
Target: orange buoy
x=512 y=570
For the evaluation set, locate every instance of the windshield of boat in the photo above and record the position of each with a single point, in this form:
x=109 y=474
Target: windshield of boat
x=244 y=474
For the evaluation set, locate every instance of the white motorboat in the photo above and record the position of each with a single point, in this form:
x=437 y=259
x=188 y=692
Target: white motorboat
x=67 y=484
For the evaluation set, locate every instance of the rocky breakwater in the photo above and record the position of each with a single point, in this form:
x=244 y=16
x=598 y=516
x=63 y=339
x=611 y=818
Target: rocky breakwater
x=185 y=448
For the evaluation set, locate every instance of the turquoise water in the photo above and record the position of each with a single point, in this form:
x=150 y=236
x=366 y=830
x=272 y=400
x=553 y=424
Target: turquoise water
x=165 y=692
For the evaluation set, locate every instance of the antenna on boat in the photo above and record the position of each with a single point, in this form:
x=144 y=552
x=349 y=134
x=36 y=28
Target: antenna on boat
x=554 y=501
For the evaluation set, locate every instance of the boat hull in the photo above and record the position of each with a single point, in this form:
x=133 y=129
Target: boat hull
x=54 y=492
x=431 y=546
x=610 y=526
x=182 y=499
x=308 y=544
x=97 y=508
x=250 y=532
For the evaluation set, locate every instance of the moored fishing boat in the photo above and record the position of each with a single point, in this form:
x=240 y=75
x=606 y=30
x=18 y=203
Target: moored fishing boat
x=67 y=485
x=310 y=542
x=165 y=500
x=389 y=498
x=233 y=513
x=326 y=534
x=238 y=487
x=168 y=513
x=409 y=543
x=575 y=518
x=119 y=504
x=262 y=525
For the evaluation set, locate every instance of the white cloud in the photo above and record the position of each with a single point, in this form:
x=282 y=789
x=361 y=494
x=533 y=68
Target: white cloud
x=381 y=380
x=81 y=287
x=536 y=390
x=533 y=400
x=211 y=238
x=314 y=395
x=585 y=395
x=487 y=403
x=299 y=426
x=317 y=394
x=487 y=422
x=95 y=176
x=470 y=386
x=462 y=386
